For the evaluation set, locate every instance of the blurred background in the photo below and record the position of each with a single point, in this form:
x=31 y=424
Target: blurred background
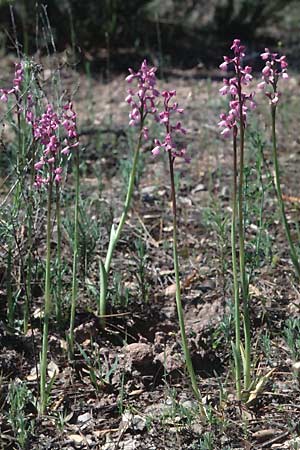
x=185 y=34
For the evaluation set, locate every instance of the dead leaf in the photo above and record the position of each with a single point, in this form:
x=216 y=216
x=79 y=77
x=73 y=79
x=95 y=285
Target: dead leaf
x=291 y=199
x=52 y=369
x=33 y=375
x=264 y=435
x=77 y=438
x=259 y=386
x=170 y=291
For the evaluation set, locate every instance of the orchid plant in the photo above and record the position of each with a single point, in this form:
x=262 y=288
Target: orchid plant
x=233 y=124
x=18 y=96
x=274 y=69
x=56 y=134
x=142 y=100
x=53 y=136
x=174 y=151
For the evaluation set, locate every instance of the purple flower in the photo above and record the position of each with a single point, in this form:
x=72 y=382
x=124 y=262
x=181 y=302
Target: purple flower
x=169 y=144
x=17 y=82
x=240 y=101
x=49 y=130
x=142 y=99
x=275 y=68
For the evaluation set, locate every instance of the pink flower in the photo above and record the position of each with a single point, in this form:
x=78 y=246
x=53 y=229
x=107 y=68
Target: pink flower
x=233 y=87
x=39 y=164
x=4 y=96
x=261 y=85
x=17 y=82
x=142 y=99
x=274 y=69
x=49 y=130
x=223 y=66
x=264 y=56
x=266 y=71
x=164 y=117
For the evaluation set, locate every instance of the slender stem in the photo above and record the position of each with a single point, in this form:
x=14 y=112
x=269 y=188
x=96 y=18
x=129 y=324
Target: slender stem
x=29 y=256
x=244 y=284
x=113 y=242
x=59 y=262
x=186 y=351
x=237 y=350
x=10 y=301
x=47 y=306
x=293 y=253
x=20 y=175
x=75 y=258
x=115 y=235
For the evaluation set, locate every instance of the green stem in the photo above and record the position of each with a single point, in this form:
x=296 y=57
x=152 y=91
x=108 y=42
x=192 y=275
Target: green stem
x=237 y=349
x=115 y=234
x=10 y=302
x=113 y=242
x=29 y=256
x=244 y=284
x=59 y=263
x=75 y=258
x=185 y=347
x=293 y=253
x=47 y=307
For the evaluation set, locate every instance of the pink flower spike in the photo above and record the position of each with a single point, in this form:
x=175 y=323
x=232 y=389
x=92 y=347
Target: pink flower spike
x=240 y=102
x=142 y=97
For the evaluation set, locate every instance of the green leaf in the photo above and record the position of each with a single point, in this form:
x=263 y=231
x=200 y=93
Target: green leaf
x=103 y=288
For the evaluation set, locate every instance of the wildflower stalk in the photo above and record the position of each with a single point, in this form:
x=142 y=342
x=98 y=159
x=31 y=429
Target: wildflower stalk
x=20 y=172
x=233 y=121
x=243 y=275
x=293 y=253
x=10 y=302
x=187 y=355
x=49 y=171
x=75 y=258
x=115 y=233
x=171 y=147
x=47 y=306
x=142 y=102
x=237 y=347
x=276 y=68
x=58 y=303
x=29 y=256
